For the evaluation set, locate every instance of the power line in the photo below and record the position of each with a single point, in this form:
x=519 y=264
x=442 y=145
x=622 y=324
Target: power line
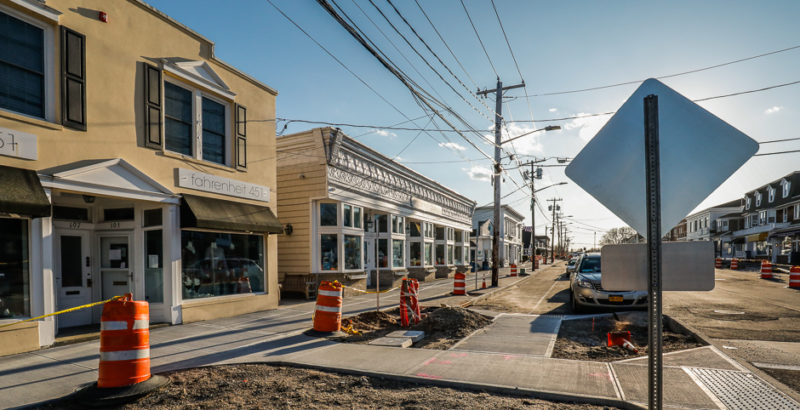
x=479 y=38
x=748 y=91
x=445 y=44
x=412 y=140
x=670 y=75
x=776 y=153
x=507 y=42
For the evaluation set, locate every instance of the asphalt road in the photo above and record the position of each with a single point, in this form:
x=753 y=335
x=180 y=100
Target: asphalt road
x=752 y=319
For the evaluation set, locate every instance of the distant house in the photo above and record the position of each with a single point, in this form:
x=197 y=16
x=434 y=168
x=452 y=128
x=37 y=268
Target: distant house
x=771 y=219
x=678 y=232
x=510 y=246
x=542 y=242
x=708 y=224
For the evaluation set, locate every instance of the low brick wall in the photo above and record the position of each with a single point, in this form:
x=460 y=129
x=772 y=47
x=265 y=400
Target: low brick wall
x=422 y=274
x=445 y=272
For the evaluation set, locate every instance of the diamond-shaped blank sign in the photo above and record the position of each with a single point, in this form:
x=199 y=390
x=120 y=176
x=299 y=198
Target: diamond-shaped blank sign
x=698 y=153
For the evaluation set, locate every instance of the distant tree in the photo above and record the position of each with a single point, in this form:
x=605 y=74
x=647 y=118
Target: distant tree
x=624 y=234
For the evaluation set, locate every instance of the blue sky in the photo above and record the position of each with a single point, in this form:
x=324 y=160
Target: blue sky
x=559 y=45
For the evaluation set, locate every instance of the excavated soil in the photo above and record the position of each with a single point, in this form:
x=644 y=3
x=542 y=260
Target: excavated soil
x=266 y=386
x=443 y=326
x=586 y=339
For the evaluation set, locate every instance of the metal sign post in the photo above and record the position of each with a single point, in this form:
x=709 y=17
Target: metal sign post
x=652 y=167
x=377 y=271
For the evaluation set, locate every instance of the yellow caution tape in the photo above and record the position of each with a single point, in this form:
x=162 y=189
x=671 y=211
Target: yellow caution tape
x=62 y=311
x=349 y=330
x=367 y=291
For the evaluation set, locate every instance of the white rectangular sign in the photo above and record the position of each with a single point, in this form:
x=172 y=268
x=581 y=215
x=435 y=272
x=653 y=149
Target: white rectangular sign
x=221 y=185
x=685 y=266
x=18 y=144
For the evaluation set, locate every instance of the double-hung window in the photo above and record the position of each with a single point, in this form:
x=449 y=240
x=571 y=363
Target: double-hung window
x=23 y=65
x=196 y=124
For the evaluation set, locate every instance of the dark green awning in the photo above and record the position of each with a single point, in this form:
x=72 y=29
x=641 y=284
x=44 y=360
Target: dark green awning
x=210 y=213
x=21 y=193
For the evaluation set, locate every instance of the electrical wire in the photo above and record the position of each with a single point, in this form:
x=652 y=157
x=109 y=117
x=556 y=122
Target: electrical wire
x=479 y=38
x=445 y=44
x=670 y=75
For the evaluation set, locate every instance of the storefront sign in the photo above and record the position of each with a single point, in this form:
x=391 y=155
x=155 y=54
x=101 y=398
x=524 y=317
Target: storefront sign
x=18 y=144
x=426 y=206
x=221 y=185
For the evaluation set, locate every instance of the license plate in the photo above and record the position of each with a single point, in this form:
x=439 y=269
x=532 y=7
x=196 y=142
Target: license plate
x=615 y=298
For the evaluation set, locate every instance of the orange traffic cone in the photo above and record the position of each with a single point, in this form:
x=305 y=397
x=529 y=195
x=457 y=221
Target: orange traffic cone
x=484 y=283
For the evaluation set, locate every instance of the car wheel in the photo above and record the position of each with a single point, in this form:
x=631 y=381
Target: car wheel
x=573 y=302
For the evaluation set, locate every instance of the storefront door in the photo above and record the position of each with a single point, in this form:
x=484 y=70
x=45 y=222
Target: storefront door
x=116 y=272
x=73 y=273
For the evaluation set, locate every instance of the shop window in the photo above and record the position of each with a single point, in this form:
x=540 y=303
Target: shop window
x=347 y=215
x=15 y=278
x=152 y=217
x=216 y=264
x=22 y=66
x=415 y=253
x=440 y=233
x=352 y=252
x=466 y=255
x=449 y=254
x=459 y=236
x=70 y=213
x=118 y=214
x=414 y=228
x=328 y=247
x=451 y=234
x=459 y=250
x=428 y=254
x=428 y=227
x=154 y=266
x=357 y=217
x=383 y=223
x=383 y=253
x=440 y=255
x=327 y=214
x=398 y=246
x=397 y=224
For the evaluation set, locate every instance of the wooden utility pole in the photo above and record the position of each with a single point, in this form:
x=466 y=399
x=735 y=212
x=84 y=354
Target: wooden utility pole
x=553 y=207
x=498 y=122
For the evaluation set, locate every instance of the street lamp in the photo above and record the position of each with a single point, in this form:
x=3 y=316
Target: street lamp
x=547 y=128
x=541 y=189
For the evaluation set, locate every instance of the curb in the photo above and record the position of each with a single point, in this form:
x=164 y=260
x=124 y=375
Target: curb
x=476 y=387
x=743 y=363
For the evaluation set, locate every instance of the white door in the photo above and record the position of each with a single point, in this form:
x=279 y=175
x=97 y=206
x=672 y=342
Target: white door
x=116 y=257
x=73 y=272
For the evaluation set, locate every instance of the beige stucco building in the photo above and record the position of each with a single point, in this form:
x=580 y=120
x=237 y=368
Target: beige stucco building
x=128 y=165
x=347 y=208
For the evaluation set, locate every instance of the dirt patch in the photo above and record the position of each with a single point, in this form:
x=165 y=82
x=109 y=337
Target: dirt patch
x=443 y=326
x=790 y=378
x=586 y=339
x=265 y=386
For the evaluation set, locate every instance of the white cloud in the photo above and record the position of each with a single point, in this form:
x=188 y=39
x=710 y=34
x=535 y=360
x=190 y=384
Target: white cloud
x=479 y=173
x=384 y=133
x=773 y=109
x=588 y=126
x=453 y=146
x=527 y=145
x=553 y=110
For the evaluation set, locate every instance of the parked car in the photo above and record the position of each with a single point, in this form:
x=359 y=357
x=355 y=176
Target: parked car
x=571 y=264
x=586 y=290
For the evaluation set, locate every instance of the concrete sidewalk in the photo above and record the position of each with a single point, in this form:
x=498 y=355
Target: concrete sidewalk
x=511 y=355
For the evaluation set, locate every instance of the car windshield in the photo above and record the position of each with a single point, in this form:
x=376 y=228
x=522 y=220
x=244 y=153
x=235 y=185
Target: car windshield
x=573 y=261
x=590 y=264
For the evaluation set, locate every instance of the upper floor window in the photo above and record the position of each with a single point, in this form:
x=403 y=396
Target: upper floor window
x=771 y=194
x=747 y=203
x=797 y=212
x=762 y=217
x=195 y=124
x=22 y=66
x=758 y=198
x=786 y=187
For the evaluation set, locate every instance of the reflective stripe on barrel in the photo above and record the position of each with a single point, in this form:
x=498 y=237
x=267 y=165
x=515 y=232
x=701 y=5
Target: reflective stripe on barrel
x=328 y=314
x=734 y=264
x=718 y=263
x=124 y=343
x=513 y=269
x=459 y=285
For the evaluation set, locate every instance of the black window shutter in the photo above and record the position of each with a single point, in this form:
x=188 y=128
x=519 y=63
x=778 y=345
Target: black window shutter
x=241 y=137
x=152 y=106
x=73 y=79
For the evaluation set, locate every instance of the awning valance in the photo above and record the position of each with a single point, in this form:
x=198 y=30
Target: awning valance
x=22 y=194
x=218 y=214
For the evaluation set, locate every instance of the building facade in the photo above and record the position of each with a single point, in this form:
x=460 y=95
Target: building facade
x=356 y=216
x=125 y=168
x=542 y=243
x=510 y=246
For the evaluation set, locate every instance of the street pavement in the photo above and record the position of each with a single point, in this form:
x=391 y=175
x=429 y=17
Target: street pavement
x=692 y=378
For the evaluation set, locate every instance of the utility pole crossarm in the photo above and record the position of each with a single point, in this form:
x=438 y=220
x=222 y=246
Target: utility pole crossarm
x=510 y=87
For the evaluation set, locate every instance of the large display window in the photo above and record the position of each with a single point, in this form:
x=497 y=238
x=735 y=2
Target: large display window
x=340 y=240
x=14 y=268
x=216 y=264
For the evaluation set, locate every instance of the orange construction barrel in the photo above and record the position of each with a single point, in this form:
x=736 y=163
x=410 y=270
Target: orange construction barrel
x=459 y=284
x=794 y=277
x=124 y=343
x=718 y=263
x=328 y=313
x=766 y=270
x=513 y=269
x=734 y=264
